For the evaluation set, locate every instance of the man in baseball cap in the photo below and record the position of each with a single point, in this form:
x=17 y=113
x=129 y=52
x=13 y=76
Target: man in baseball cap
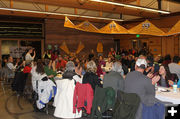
x=138 y=83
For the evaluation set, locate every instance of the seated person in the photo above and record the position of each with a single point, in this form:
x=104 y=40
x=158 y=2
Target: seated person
x=114 y=78
x=138 y=83
x=174 y=67
x=109 y=63
x=167 y=79
x=49 y=69
x=90 y=75
x=61 y=63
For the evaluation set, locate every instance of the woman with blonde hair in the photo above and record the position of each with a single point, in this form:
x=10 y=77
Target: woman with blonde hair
x=90 y=75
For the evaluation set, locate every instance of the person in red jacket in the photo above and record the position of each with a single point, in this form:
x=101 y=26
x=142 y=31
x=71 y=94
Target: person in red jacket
x=61 y=64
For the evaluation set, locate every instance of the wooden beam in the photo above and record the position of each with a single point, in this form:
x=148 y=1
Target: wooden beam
x=11 y=3
x=138 y=2
x=46 y=7
x=96 y=7
x=75 y=11
x=100 y=13
x=39 y=15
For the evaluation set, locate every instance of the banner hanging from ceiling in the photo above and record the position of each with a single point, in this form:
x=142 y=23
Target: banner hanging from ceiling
x=80 y=47
x=100 y=47
x=87 y=26
x=68 y=23
x=114 y=28
x=64 y=47
x=175 y=29
x=146 y=28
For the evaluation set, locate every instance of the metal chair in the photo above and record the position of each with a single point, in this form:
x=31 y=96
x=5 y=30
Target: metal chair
x=5 y=77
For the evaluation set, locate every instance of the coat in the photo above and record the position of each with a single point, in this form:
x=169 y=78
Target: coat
x=46 y=90
x=63 y=100
x=83 y=93
x=126 y=105
x=104 y=99
x=157 y=111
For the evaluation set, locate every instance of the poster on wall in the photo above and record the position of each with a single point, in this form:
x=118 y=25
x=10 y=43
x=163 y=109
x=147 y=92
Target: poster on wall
x=16 y=52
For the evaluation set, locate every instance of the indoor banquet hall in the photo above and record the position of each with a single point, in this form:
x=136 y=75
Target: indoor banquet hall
x=90 y=59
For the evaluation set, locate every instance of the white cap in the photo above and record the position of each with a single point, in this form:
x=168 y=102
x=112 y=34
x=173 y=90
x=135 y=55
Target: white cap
x=141 y=62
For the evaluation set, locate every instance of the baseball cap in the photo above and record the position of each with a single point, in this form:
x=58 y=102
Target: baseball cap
x=141 y=63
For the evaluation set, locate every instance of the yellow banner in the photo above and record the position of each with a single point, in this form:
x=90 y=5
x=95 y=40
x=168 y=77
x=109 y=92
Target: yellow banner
x=175 y=29
x=68 y=23
x=64 y=47
x=146 y=28
x=100 y=47
x=87 y=26
x=80 y=47
x=114 y=28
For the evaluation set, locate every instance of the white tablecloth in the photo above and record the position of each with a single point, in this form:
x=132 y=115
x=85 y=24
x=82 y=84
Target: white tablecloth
x=169 y=96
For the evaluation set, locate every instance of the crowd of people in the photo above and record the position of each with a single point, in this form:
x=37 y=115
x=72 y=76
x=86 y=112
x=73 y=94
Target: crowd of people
x=125 y=71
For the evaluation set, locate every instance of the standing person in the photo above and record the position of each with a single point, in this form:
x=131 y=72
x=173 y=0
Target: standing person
x=10 y=68
x=10 y=64
x=112 y=52
x=28 y=56
x=47 y=54
x=54 y=55
x=101 y=63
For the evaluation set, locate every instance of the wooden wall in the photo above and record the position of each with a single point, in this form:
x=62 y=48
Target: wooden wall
x=157 y=45
x=56 y=33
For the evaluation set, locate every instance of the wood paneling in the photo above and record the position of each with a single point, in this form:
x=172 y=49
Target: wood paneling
x=56 y=33
x=89 y=5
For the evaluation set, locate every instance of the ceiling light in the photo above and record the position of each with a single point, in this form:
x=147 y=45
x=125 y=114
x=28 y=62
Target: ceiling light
x=132 y=6
x=60 y=14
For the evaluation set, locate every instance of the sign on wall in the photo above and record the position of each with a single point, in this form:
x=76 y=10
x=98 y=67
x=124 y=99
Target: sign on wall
x=16 y=52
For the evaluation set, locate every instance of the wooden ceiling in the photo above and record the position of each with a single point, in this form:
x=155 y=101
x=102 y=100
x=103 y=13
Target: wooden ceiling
x=76 y=6
x=89 y=5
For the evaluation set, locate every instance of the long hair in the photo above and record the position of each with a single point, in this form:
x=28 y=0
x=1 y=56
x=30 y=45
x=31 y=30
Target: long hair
x=168 y=74
x=91 y=67
x=40 y=67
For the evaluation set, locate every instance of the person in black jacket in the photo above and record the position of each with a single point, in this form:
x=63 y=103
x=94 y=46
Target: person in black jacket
x=90 y=75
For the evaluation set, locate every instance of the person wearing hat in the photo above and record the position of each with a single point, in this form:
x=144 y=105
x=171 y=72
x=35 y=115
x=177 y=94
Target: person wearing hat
x=138 y=83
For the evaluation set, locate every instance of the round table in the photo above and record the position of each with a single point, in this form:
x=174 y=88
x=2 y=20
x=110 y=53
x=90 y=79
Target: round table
x=173 y=97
